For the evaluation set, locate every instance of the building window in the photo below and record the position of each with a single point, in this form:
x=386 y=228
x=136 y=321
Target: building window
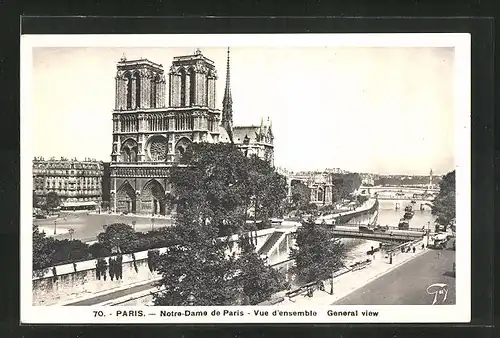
x=192 y=88
x=183 y=87
x=137 y=90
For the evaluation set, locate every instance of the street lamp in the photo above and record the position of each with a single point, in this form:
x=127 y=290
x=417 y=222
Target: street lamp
x=428 y=231
x=191 y=300
x=333 y=277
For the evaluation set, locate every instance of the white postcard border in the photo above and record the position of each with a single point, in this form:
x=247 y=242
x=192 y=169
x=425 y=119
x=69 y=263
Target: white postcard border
x=461 y=312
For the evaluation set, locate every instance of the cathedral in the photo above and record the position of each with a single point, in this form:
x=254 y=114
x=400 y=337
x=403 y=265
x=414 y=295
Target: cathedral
x=154 y=124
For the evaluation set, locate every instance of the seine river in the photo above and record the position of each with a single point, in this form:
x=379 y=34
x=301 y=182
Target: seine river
x=388 y=215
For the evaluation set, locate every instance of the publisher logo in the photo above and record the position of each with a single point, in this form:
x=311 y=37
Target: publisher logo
x=439 y=291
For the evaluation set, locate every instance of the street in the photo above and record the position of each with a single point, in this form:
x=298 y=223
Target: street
x=88 y=226
x=409 y=283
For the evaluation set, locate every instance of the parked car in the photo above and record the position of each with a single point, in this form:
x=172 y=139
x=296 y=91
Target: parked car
x=366 y=229
x=381 y=228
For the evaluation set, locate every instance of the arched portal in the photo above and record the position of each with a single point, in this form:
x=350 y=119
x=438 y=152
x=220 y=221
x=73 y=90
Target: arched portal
x=126 y=199
x=153 y=199
x=320 y=195
x=128 y=151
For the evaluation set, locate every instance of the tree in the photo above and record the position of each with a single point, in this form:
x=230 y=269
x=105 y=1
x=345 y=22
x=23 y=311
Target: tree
x=362 y=199
x=444 y=206
x=219 y=185
x=52 y=201
x=301 y=195
x=196 y=266
x=267 y=189
x=67 y=251
x=98 y=250
x=212 y=186
x=41 y=251
x=344 y=185
x=318 y=254
x=36 y=200
x=118 y=236
x=258 y=281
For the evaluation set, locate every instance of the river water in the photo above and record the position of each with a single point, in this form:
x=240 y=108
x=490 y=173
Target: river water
x=387 y=215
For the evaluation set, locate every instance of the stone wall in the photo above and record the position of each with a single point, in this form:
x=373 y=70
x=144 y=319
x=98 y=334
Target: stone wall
x=75 y=282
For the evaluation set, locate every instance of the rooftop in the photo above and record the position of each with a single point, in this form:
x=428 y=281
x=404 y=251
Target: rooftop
x=124 y=62
x=198 y=55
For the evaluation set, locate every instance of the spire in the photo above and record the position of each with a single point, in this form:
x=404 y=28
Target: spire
x=227 y=102
x=227 y=91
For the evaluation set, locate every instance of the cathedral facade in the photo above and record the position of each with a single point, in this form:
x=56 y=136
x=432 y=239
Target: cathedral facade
x=153 y=124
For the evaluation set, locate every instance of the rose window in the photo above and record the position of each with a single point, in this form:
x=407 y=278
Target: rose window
x=158 y=149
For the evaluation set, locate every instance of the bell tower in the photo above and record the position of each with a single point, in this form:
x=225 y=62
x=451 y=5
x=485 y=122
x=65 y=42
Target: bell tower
x=140 y=84
x=192 y=81
x=140 y=92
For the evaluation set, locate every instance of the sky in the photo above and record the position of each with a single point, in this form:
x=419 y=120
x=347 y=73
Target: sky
x=385 y=110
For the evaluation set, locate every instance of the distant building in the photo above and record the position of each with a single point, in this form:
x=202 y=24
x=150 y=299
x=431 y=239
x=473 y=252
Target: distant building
x=77 y=183
x=321 y=189
x=367 y=179
x=336 y=171
x=319 y=183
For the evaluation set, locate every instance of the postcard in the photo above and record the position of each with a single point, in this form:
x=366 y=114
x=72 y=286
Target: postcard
x=284 y=178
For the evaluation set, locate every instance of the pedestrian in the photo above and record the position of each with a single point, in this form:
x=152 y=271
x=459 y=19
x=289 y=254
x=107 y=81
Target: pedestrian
x=413 y=249
x=423 y=246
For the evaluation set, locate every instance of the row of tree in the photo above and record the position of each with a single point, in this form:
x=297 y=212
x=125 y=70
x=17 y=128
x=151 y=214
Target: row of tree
x=444 y=206
x=49 y=203
x=117 y=238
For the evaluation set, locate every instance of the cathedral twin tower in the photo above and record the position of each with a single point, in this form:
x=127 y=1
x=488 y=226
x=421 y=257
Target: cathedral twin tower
x=141 y=83
x=150 y=136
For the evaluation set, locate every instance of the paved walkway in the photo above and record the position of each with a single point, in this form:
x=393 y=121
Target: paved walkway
x=351 y=281
x=410 y=283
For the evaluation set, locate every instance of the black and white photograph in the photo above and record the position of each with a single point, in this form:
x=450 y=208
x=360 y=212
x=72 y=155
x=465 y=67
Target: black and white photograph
x=245 y=179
